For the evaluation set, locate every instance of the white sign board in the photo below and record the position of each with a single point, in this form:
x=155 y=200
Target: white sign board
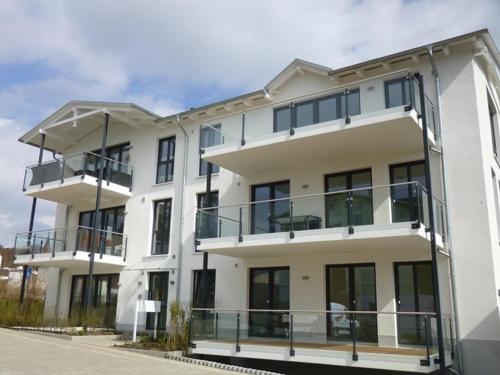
x=145 y=306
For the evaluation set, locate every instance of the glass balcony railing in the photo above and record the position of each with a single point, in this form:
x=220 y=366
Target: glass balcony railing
x=86 y=163
x=71 y=239
x=339 y=329
x=388 y=204
x=347 y=105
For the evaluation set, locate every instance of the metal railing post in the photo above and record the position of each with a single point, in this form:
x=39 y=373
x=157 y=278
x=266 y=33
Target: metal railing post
x=62 y=170
x=125 y=238
x=292 y=118
x=190 y=331
x=238 y=332
x=452 y=346
x=220 y=228
x=131 y=178
x=54 y=246
x=243 y=129
x=354 y=334
x=347 y=117
x=290 y=335
x=240 y=228
x=409 y=106
x=420 y=206
x=33 y=247
x=292 y=234
x=109 y=166
x=216 y=333
x=427 y=360
x=349 y=212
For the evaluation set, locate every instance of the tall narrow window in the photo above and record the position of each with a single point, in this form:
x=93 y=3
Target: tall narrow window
x=197 y=289
x=406 y=205
x=166 y=158
x=209 y=136
x=207 y=223
x=161 y=226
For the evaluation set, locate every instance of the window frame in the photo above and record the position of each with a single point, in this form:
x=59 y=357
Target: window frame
x=171 y=142
x=293 y=108
x=215 y=167
x=165 y=249
x=211 y=304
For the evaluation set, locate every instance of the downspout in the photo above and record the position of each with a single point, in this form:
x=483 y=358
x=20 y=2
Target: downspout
x=437 y=85
x=181 y=221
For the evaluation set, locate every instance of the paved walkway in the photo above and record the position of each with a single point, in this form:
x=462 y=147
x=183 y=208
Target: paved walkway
x=27 y=353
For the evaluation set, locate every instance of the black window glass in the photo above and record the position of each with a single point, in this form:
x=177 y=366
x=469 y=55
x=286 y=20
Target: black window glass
x=353 y=104
x=198 y=289
x=207 y=220
x=282 y=119
x=209 y=136
x=406 y=205
x=327 y=109
x=305 y=114
x=397 y=92
x=161 y=226
x=273 y=213
x=166 y=160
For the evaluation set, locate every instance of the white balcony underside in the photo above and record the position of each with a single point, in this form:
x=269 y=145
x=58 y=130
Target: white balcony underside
x=385 y=132
x=79 y=191
x=398 y=236
x=77 y=261
x=384 y=361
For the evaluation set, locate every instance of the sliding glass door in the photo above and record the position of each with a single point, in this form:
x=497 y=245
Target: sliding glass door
x=271 y=210
x=158 y=291
x=337 y=205
x=351 y=288
x=414 y=293
x=269 y=290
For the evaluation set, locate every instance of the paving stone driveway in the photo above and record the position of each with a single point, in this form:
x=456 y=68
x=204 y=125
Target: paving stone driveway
x=26 y=353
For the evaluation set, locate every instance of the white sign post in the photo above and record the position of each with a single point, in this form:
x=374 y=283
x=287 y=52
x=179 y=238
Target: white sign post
x=146 y=306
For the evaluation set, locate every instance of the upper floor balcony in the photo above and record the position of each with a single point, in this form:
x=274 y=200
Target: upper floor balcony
x=73 y=179
x=375 y=218
x=70 y=248
x=374 y=117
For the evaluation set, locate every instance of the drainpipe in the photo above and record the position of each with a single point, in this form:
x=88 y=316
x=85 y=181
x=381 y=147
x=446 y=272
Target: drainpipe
x=437 y=85
x=181 y=221
x=32 y=221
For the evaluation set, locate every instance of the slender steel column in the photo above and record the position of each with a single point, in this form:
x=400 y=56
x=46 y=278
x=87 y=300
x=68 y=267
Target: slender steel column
x=32 y=221
x=432 y=232
x=96 y=222
x=204 y=274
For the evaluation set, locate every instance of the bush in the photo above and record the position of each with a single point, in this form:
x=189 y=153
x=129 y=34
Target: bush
x=29 y=314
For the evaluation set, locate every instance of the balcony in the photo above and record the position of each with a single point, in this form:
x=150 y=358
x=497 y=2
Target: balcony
x=70 y=248
x=376 y=218
x=337 y=337
x=73 y=180
x=367 y=127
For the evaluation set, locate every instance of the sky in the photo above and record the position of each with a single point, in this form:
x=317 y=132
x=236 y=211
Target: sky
x=168 y=56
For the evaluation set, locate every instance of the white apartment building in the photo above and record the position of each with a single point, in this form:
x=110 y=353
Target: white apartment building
x=353 y=217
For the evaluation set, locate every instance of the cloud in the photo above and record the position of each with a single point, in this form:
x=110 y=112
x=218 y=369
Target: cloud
x=172 y=55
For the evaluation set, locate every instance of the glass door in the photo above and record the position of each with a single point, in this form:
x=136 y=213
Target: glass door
x=405 y=205
x=414 y=293
x=269 y=290
x=337 y=205
x=158 y=291
x=270 y=215
x=351 y=288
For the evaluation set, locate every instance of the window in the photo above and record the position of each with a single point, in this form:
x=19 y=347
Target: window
x=323 y=109
x=397 y=92
x=197 y=289
x=207 y=226
x=166 y=158
x=161 y=226
x=158 y=291
x=271 y=215
x=406 y=205
x=336 y=205
x=112 y=221
x=104 y=297
x=209 y=136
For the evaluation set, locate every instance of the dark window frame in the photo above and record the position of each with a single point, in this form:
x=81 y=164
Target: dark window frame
x=348 y=174
x=253 y=202
x=164 y=305
x=197 y=287
x=165 y=247
x=406 y=101
x=199 y=197
x=293 y=109
x=170 y=143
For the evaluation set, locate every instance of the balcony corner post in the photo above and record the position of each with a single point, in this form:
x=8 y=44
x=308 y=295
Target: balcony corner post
x=293 y=118
x=350 y=215
x=355 y=356
x=243 y=142
x=292 y=234
x=290 y=333
x=238 y=318
x=240 y=226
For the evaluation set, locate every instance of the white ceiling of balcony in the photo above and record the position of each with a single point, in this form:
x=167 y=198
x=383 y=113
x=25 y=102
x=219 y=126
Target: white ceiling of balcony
x=77 y=119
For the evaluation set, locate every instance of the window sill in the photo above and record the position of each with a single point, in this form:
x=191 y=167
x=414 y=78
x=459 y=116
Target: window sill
x=205 y=176
x=164 y=183
x=149 y=256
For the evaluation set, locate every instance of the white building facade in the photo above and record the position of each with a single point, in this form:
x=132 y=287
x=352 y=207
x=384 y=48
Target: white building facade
x=317 y=230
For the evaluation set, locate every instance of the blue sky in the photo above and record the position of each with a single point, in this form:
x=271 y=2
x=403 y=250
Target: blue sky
x=171 y=55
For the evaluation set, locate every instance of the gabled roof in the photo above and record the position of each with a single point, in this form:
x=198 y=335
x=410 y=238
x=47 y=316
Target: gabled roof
x=297 y=66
